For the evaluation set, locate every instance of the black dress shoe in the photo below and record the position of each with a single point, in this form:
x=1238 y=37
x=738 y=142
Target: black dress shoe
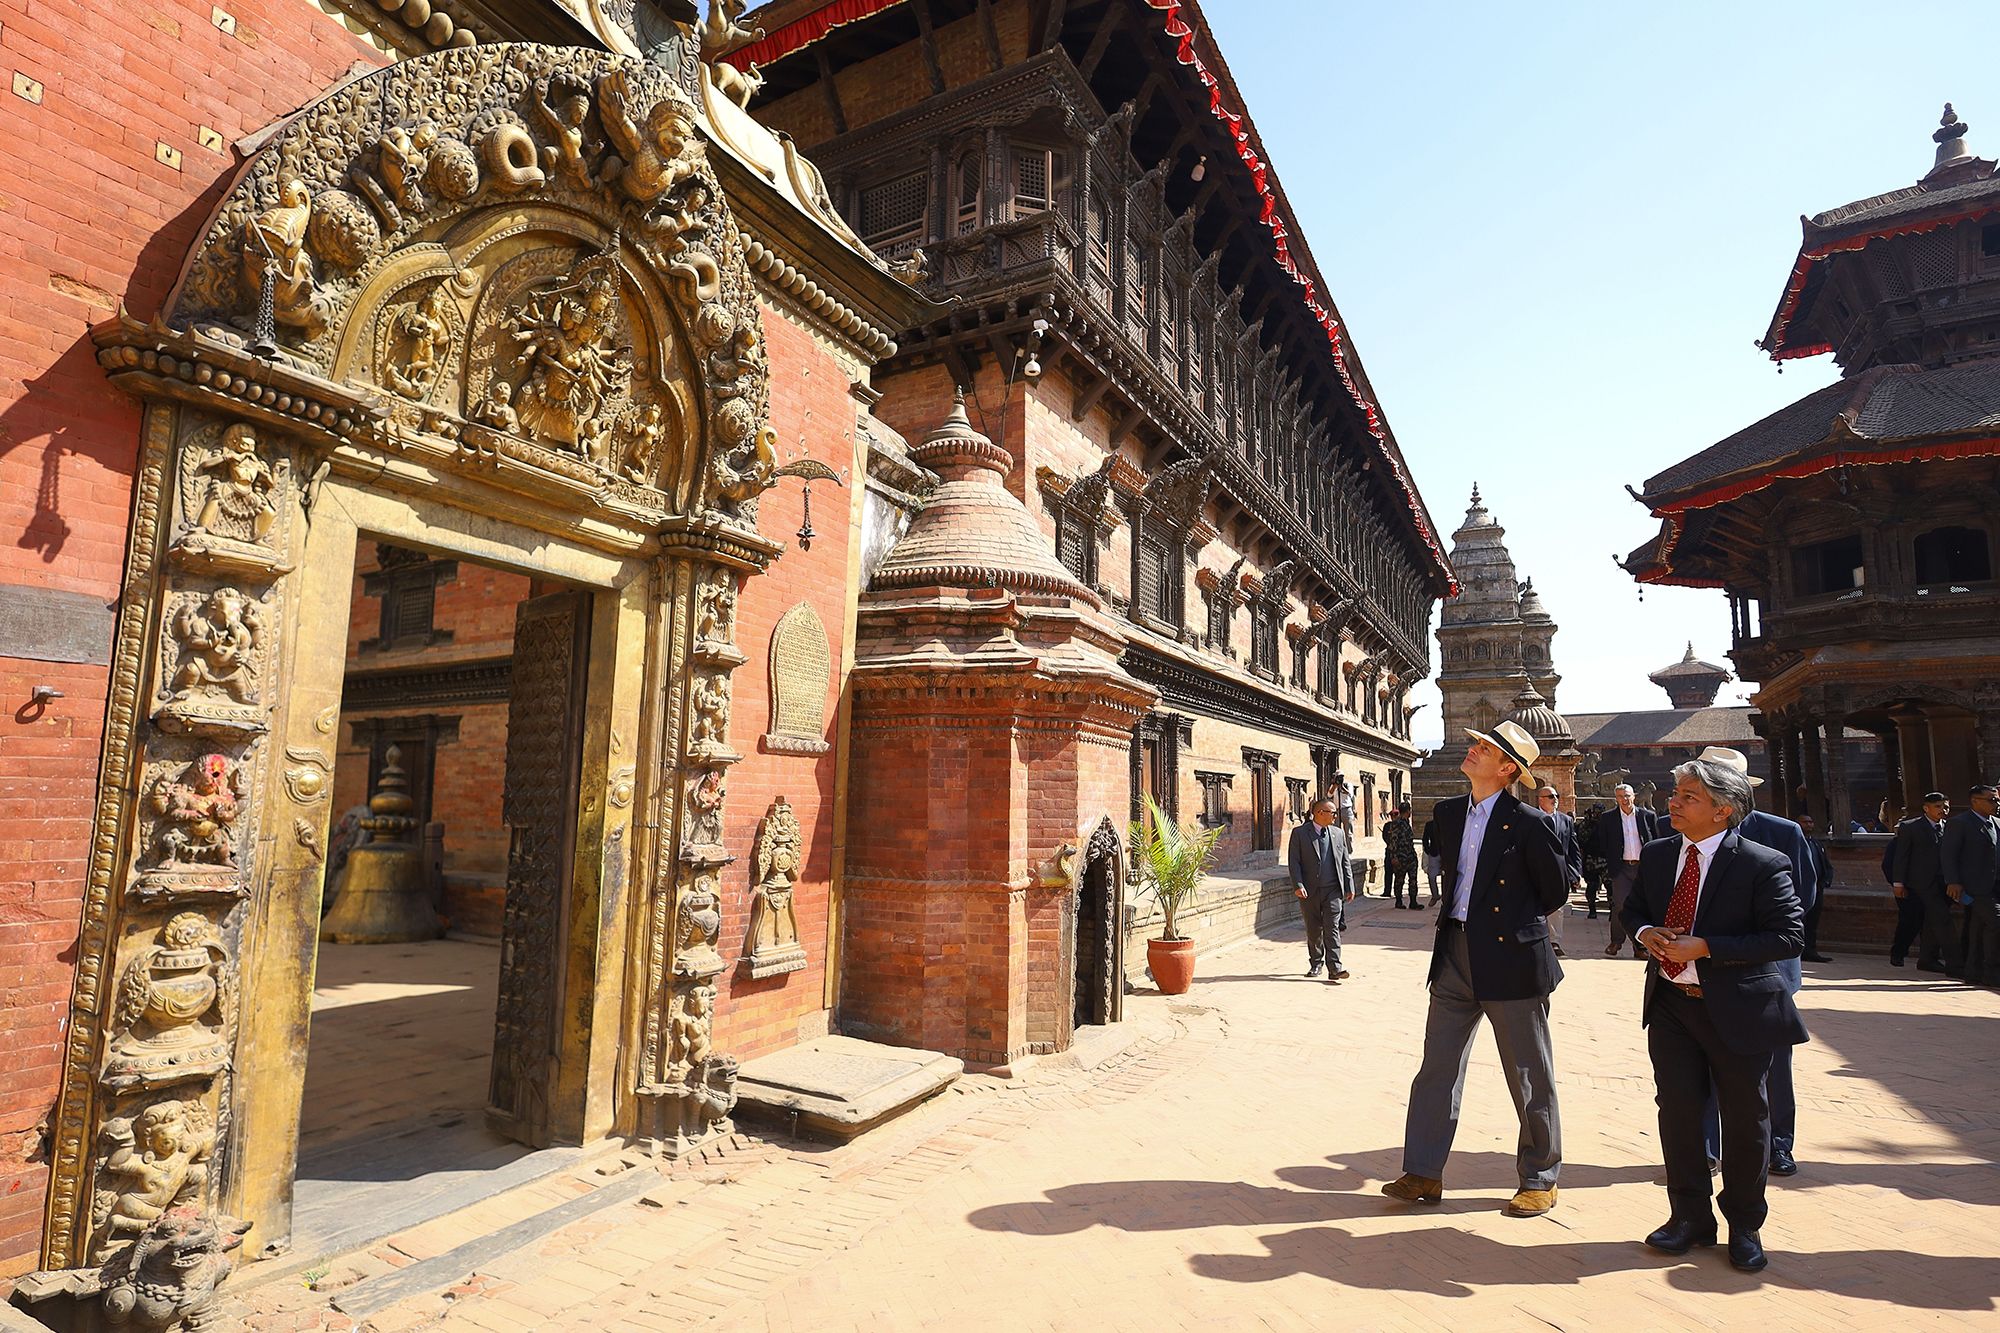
x=1313 y=971
x=1782 y=1163
x=1746 y=1252
x=1930 y=967
x=1817 y=958
x=1680 y=1235
x=1895 y=961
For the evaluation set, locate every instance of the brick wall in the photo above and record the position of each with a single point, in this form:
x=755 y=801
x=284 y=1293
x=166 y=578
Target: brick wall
x=89 y=219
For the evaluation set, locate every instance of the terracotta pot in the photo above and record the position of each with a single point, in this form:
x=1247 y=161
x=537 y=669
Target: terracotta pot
x=1172 y=963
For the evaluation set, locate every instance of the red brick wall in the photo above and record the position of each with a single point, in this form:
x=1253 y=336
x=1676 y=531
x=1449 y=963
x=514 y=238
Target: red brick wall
x=89 y=219
x=813 y=412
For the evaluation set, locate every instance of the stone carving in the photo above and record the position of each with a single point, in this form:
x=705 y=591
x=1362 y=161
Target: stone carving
x=496 y=409
x=697 y=926
x=216 y=639
x=710 y=698
x=342 y=230
x=402 y=157
x=715 y=614
x=705 y=796
x=235 y=487
x=721 y=34
x=168 y=991
x=275 y=261
x=801 y=670
x=1058 y=869
x=1178 y=492
x=711 y=1096
x=576 y=372
x=643 y=432
x=197 y=811
x=746 y=451
x=773 y=937
x=509 y=158
x=693 y=1025
x=561 y=103
x=167 y=1279
x=150 y=1163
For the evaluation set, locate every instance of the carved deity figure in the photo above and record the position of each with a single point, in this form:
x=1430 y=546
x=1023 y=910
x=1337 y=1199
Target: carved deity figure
x=697 y=925
x=711 y=710
x=218 y=638
x=166 y=1280
x=167 y=991
x=274 y=246
x=721 y=34
x=712 y=1091
x=705 y=800
x=773 y=936
x=496 y=409
x=716 y=613
x=651 y=159
x=562 y=104
x=423 y=334
x=693 y=1025
x=573 y=367
x=238 y=500
x=198 y=812
x=643 y=434
x=152 y=1162
x=403 y=154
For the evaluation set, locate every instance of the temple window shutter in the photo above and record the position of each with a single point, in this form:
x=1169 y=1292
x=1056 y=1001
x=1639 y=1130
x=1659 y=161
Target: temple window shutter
x=967 y=210
x=1153 y=576
x=1039 y=175
x=892 y=214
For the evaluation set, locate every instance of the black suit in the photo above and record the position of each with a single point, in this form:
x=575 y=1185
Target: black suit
x=1622 y=873
x=1494 y=964
x=1328 y=880
x=1970 y=851
x=1725 y=1037
x=1572 y=849
x=1916 y=861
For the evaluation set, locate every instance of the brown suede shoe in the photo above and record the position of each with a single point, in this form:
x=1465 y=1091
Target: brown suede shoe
x=1531 y=1203
x=1415 y=1189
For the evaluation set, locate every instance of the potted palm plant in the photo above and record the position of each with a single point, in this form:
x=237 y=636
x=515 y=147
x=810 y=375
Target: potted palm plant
x=1172 y=862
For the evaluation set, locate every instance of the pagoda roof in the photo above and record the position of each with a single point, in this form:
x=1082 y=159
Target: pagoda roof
x=1957 y=189
x=792 y=25
x=1689 y=666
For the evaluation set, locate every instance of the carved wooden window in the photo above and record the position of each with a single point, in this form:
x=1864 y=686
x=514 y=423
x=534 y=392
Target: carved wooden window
x=1300 y=652
x=1041 y=175
x=1157 y=582
x=1097 y=244
x=1263 y=639
x=1827 y=567
x=1214 y=798
x=1329 y=671
x=1295 y=798
x=407 y=586
x=1218 y=620
x=892 y=214
x=1171 y=304
x=1197 y=361
x=1953 y=555
x=1367 y=804
x=1263 y=768
x=968 y=194
x=1076 y=545
x=1137 y=281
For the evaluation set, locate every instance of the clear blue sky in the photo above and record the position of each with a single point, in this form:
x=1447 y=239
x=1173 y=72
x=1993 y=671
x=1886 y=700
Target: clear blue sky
x=1554 y=232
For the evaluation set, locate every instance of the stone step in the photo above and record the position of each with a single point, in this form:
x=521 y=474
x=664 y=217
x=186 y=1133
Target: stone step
x=838 y=1087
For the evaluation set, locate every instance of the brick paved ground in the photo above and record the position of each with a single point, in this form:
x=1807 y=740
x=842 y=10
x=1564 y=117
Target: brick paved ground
x=1222 y=1173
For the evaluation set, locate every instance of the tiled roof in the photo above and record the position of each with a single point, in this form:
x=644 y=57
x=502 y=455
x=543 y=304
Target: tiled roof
x=1879 y=406
x=1722 y=725
x=1896 y=205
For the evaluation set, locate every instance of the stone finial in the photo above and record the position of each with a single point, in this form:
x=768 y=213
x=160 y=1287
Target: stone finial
x=1950 y=137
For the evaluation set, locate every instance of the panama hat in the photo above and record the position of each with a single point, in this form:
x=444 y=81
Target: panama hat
x=1511 y=739
x=1728 y=758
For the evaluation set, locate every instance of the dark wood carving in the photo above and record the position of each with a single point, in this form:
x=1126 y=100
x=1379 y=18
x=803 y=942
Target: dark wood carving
x=544 y=725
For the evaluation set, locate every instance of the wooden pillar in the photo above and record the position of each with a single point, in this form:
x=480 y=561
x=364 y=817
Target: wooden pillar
x=1913 y=747
x=1989 y=746
x=1838 y=815
x=1794 y=778
x=1815 y=775
x=1894 y=793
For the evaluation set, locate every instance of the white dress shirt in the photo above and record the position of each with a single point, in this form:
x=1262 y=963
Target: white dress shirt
x=1631 y=821
x=1691 y=975
x=1476 y=816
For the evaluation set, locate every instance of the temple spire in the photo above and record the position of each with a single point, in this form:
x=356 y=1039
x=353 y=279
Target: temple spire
x=1952 y=151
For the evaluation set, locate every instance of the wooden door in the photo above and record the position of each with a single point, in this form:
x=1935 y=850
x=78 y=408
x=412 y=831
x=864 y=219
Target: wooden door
x=539 y=807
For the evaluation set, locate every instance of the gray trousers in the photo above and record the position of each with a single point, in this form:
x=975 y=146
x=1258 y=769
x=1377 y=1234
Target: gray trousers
x=1521 y=1031
x=1624 y=878
x=1325 y=912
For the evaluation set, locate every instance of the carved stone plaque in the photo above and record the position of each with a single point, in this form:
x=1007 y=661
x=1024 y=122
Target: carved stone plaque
x=801 y=667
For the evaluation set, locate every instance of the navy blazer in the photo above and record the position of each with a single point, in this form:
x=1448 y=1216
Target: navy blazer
x=1751 y=920
x=1916 y=857
x=1784 y=835
x=1969 y=852
x=1611 y=832
x=1517 y=881
x=1572 y=850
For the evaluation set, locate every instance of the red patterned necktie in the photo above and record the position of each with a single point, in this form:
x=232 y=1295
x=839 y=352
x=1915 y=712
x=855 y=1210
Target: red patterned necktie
x=1680 y=910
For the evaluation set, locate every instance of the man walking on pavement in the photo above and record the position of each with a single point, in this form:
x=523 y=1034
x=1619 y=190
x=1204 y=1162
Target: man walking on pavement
x=1491 y=959
x=1323 y=881
x=1916 y=877
x=1548 y=799
x=1620 y=834
x=1970 y=851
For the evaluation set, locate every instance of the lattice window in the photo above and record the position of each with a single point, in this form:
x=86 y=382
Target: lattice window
x=1157 y=581
x=892 y=214
x=1934 y=255
x=969 y=194
x=1040 y=176
x=1888 y=271
x=1329 y=671
x=1219 y=616
x=1137 y=282
x=407 y=586
x=1214 y=798
x=1295 y=798
x=1097 y=243
x=1076 y=545
x=1263 y=639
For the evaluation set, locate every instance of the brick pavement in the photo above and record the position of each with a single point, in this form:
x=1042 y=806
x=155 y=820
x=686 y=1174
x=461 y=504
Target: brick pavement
x=1222 y=1173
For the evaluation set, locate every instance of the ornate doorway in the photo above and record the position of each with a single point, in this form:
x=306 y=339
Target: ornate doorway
x=1098 y=994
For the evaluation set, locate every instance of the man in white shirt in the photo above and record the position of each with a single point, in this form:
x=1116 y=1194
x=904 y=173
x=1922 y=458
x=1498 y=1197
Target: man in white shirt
x=1716 y=914
x=1621 y=832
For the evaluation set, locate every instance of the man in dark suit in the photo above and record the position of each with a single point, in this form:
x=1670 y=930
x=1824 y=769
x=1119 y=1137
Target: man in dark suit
x=1621 y=832
x=1547 y=800
x=1504 y=872
x=1433 y=864
x=1715 y=912
x=1970 y=853
x=1323 y=881
x=1916 y=877
x=1822 y=865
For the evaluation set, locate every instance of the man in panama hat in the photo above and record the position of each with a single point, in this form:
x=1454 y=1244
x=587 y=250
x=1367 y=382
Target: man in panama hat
x=1504 y=872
